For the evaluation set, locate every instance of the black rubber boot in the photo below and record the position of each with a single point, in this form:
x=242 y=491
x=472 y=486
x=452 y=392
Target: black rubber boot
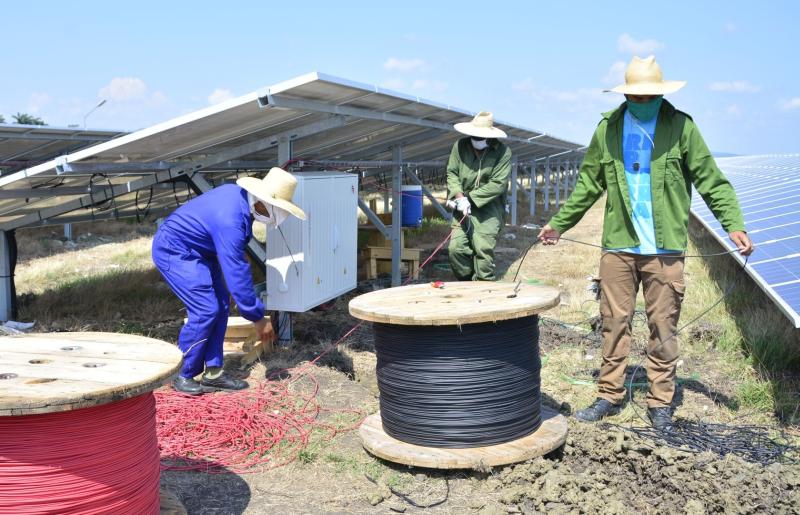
x=600 y=408
x=223 y=382
x=187 y=385
x=661 y=418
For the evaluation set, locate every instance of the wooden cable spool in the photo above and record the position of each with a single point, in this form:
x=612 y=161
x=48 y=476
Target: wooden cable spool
x=458 y=304
x=45 y=375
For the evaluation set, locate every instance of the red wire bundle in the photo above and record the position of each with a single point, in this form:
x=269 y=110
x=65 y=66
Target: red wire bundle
x=97 y=460
x=263 y=427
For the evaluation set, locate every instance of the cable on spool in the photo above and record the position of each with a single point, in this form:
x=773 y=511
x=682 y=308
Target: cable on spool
x=459 y=387
x=98 y=460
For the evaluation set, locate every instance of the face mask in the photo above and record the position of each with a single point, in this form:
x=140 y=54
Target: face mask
x=646 y=111
x=276 y=215
x=479 y=144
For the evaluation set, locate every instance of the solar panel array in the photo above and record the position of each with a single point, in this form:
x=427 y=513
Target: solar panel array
x=768 y=188
x=325 y=118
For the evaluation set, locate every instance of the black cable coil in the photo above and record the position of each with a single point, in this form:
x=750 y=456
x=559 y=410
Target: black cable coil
x=459 y=387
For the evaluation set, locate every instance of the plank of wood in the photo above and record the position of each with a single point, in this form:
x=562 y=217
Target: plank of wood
x=42 y=373
x=550 y=436
x=468 y=302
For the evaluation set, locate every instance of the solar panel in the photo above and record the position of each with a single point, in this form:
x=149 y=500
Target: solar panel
x=324 y=117
x=768 y=188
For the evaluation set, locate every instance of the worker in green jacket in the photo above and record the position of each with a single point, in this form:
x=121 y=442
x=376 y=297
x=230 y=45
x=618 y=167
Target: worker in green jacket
x=645 y=155
x=477 y=181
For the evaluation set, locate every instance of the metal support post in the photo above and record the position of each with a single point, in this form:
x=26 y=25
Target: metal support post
x=284 y=151
x=6 y=278
x=567 y=179
x=558 y=184
x=514 y=193
x=547 y=186
x=68 y=232
x=397 y=212
x=285 y=333
x=532 y=195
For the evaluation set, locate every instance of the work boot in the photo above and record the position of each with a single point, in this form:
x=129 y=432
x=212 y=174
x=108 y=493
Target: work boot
x=223 y=382
x=661 y=418
x=187 y=385
x=600 y=408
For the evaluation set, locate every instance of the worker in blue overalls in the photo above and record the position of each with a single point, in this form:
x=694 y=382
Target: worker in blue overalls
x=200 y=251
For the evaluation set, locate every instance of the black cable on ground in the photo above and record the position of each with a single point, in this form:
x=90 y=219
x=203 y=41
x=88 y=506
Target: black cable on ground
x=459 y=387
x=412 y=502
x=751 y=443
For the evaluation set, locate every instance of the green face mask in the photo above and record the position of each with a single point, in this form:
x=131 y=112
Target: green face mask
x=646 y=111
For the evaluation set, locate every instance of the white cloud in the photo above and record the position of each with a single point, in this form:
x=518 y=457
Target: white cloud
x=730 y=27
x=158 y=98
x=219 y=95
x=403 y=65
x=581 y=99
x=434 y=86
x=734 y=110
x=525 y=85
x=792 y=103
x=616 y=73
x=122 y=89
x=37 y=102
x=641 y=47
x=394 y=83
x=736 y=86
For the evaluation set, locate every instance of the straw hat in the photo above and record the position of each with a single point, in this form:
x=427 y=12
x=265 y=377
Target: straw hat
x=482 y=126
x=643 y=77
x=276 y=188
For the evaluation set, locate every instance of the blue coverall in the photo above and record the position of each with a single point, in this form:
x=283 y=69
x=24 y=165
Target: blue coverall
x=203 y=241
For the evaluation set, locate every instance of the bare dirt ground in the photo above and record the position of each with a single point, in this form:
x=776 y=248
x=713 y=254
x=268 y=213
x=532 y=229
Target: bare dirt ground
x=601 y=469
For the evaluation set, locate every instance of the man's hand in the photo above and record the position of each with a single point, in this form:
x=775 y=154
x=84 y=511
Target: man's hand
x=264 y=330
x=742 y=240
x=548 y=235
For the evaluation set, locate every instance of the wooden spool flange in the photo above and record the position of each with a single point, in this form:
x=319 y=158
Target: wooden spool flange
x=458 y=303
x=550 y=436
x=44 y=373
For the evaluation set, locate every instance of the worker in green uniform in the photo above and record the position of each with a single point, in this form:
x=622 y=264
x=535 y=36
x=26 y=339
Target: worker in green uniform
x=645 y=156
x=477 y=181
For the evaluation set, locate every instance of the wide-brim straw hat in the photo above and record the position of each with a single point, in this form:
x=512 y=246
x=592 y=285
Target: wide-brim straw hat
x=276 y=188
x=482 y=126
x=643 y=77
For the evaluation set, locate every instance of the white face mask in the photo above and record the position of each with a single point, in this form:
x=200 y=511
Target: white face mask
x=479 y=144
x=276 y=214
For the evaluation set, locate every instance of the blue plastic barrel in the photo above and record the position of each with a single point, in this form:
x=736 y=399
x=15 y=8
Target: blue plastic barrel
x=412 y=206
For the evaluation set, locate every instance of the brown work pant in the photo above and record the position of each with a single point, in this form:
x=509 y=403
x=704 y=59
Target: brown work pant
x=662 y=281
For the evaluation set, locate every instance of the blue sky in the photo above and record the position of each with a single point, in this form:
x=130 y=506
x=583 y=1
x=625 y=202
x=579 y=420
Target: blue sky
x=541 y=65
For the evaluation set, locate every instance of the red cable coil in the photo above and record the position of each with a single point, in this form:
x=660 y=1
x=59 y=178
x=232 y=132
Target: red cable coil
x=97 y=460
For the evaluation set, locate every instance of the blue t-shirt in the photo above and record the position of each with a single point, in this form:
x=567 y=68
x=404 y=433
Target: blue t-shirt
x=637 y=146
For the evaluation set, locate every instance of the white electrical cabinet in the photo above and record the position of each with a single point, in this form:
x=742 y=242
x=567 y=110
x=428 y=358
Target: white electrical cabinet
x=314 y=260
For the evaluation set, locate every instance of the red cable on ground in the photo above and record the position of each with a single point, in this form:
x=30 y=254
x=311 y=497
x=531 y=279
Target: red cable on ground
x=263 y=427
x=260 y=428
x=98 y=460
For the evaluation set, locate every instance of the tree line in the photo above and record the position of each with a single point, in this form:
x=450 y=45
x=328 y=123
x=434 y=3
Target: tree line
x=24 y=119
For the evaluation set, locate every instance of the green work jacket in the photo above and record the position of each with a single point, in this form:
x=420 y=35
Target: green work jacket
x=484 y=180
x=680 y=158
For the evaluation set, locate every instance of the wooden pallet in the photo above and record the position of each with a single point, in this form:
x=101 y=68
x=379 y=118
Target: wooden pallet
x=376 y=254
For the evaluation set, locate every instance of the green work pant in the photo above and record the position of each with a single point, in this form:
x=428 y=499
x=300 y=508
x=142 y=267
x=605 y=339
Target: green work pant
x=472 y=253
